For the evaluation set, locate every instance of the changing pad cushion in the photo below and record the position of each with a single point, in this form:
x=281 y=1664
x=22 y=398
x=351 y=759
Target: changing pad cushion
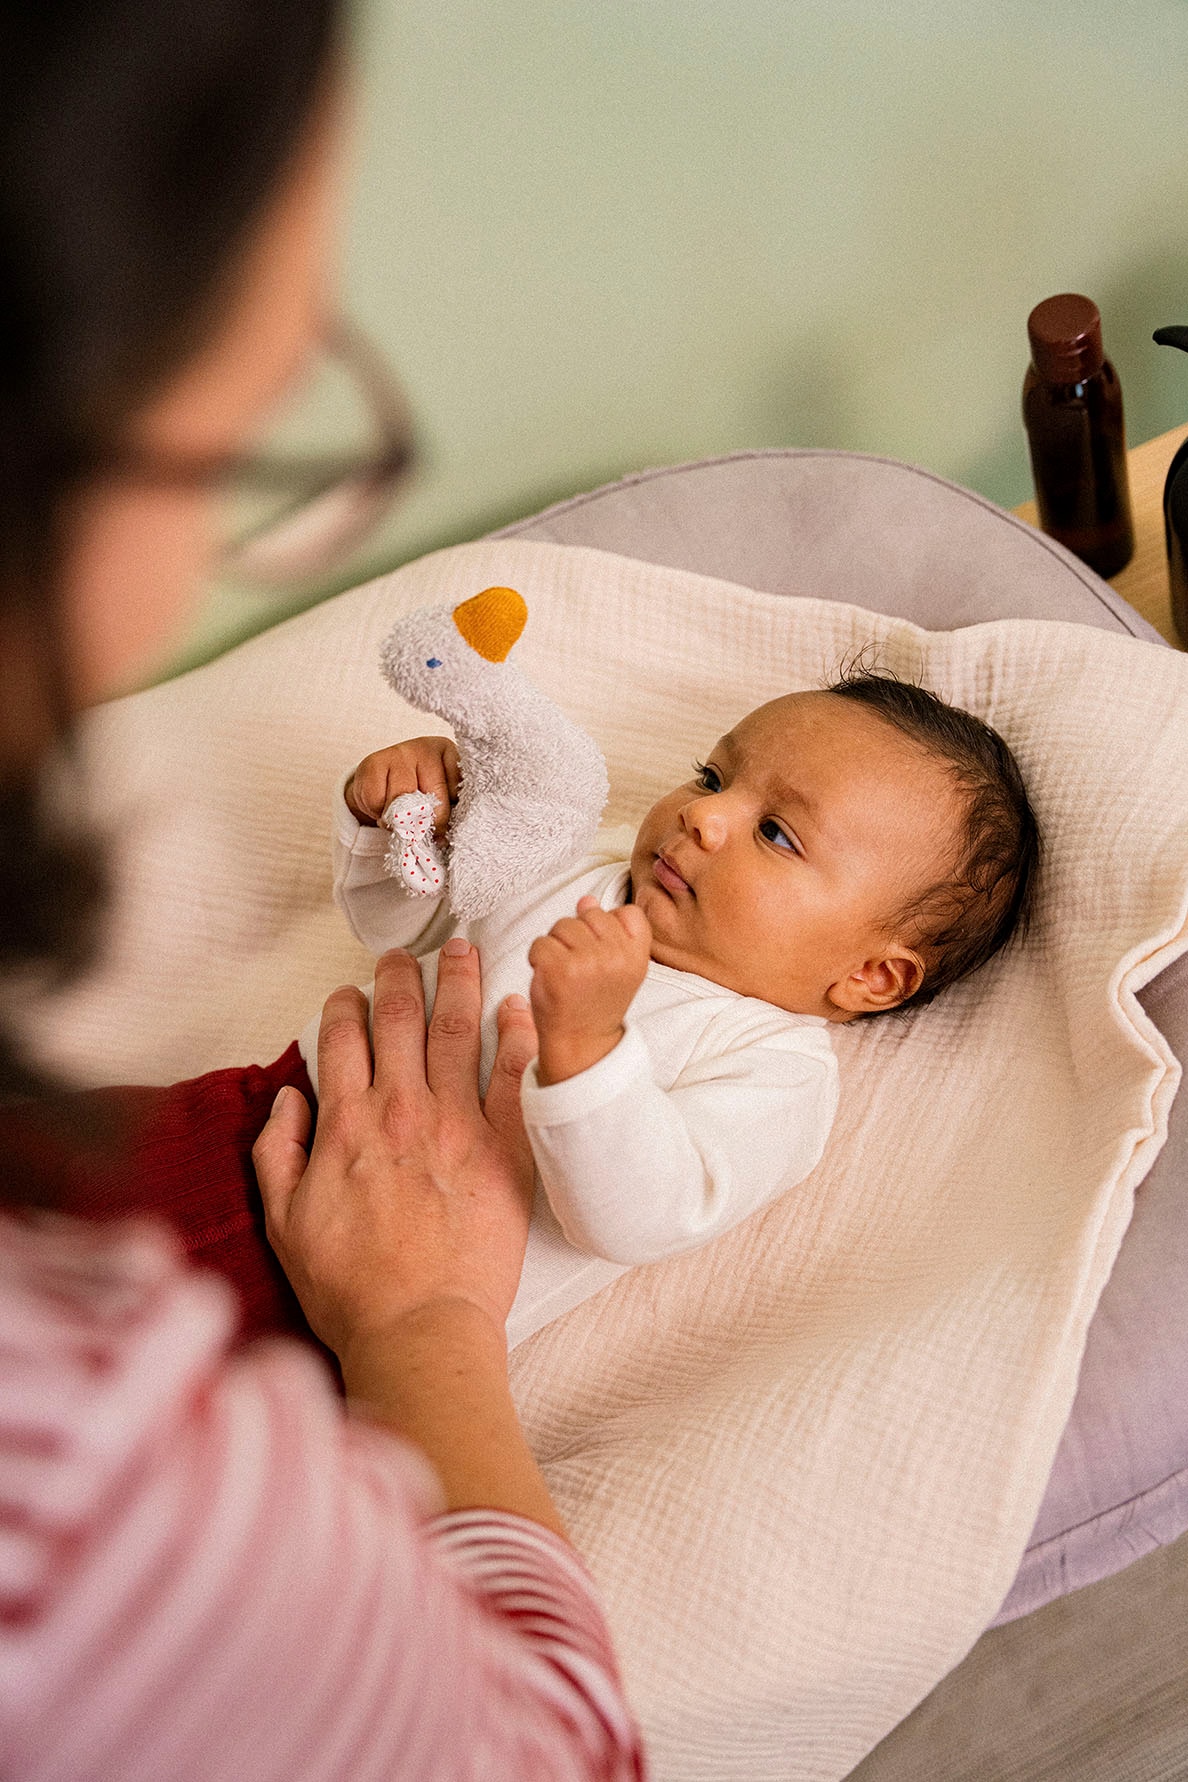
x=903 y=541
x=802 y=1462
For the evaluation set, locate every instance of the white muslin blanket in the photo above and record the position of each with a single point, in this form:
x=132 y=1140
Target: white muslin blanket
x=803 y=1462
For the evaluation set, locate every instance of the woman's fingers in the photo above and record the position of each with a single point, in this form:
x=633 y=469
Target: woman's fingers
x=344 y=1050
x=398 y=1025
x=279 y=1153
x=452 y=1048
x=516 y=1049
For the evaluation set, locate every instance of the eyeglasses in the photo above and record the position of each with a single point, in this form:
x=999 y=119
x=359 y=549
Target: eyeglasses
x=328 y=504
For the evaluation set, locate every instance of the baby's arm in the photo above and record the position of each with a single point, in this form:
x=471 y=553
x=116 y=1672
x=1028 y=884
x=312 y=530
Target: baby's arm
x=380 y=912
x=634 y=1172
x=585 y=972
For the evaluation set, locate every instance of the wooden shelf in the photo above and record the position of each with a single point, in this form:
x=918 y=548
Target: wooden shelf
x=1144 y=580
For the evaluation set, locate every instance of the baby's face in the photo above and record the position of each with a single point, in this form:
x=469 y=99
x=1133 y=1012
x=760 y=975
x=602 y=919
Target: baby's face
x=777 y=870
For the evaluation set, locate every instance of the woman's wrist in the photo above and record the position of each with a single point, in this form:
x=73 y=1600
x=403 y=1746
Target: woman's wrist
x=438 y=1377
x=377 y=1364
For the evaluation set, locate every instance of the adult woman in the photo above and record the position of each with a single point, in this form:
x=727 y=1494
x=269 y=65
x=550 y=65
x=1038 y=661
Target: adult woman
x=206 y=1570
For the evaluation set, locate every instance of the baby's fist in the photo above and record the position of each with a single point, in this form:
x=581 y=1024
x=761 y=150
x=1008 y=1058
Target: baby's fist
x=585 y=973
x=422 y=764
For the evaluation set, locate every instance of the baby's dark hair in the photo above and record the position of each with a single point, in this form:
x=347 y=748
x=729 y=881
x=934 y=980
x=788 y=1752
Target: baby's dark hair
x=961 y=922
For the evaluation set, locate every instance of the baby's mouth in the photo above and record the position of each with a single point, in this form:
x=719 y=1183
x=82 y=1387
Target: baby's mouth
x=669 y=878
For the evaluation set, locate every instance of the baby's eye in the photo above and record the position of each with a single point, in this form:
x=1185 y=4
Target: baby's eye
x=707 y=777
x=771 y=831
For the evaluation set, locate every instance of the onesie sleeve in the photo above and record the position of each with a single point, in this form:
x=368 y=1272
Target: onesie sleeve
x=380 y=912
x=634 y=1172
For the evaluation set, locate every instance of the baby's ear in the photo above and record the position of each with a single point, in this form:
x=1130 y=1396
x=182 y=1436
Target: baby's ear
x=879 y=984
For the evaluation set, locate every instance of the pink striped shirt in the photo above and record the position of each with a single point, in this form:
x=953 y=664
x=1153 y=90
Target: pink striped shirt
x=208 y=1572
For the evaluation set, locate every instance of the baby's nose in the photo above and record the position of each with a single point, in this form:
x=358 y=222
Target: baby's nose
x=705 y=820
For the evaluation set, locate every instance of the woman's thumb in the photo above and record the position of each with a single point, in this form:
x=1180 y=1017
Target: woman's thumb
x=279 y=1154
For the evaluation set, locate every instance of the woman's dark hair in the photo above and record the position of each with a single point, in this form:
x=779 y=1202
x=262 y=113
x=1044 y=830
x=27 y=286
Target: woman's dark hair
x=139 y=143
x=961 y=921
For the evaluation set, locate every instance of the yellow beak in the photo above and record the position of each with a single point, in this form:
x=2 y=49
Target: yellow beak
x=491 y=621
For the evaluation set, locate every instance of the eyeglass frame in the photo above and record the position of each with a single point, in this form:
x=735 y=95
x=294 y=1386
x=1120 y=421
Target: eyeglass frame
x=338 y=498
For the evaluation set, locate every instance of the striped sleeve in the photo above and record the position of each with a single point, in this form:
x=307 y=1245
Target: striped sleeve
x=209 y=1573
x=535 y=1584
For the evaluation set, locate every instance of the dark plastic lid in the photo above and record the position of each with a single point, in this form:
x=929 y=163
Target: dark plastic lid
x=1065 y=336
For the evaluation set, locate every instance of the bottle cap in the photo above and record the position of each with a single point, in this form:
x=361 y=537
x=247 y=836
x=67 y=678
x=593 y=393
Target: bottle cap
x=1065 y=336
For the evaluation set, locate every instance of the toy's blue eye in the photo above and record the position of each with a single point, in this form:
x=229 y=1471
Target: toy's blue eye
x=433 y=662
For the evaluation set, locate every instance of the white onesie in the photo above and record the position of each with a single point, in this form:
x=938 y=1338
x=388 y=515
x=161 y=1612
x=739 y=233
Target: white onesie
x=711 y=1104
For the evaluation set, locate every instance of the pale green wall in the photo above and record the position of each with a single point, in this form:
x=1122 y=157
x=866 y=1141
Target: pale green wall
x=600 y=235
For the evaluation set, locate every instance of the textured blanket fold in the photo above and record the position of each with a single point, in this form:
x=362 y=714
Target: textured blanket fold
x=803 y=1462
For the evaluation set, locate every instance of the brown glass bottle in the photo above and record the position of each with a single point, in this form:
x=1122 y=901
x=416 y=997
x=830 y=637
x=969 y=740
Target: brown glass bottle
x=1072 y=410
x=1175 y=509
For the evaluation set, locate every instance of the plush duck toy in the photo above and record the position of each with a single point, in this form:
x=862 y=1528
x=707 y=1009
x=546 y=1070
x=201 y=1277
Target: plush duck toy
x=532 y=784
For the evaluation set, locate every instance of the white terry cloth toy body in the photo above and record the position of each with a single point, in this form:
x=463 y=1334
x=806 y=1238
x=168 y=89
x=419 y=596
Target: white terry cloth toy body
x=533 y=784
x=710 y=1105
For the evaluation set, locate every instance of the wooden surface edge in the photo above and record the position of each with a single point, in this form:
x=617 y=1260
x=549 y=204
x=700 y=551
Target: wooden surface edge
x=1144 y=580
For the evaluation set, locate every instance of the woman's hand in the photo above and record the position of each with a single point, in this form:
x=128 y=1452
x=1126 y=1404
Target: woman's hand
x=413 y=1194
x=422 y=764
x=403 y=1230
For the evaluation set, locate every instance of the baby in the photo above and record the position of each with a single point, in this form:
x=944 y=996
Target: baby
x=839 y=854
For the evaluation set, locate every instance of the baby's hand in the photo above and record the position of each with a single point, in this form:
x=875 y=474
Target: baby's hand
x=423 y=764
x=585 y=971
